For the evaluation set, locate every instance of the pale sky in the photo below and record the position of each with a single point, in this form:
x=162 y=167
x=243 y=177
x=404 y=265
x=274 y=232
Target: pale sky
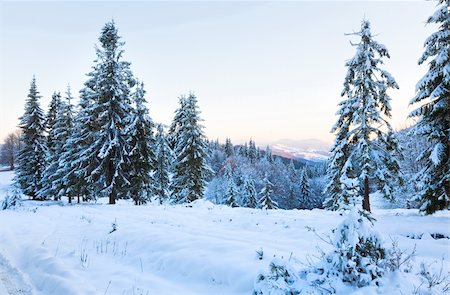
x=266 y=70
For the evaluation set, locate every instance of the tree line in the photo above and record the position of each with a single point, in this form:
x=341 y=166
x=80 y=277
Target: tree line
x=106 y=146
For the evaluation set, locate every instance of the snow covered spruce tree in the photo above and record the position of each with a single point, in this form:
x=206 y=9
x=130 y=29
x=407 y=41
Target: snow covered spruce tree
x=31 y=159
x=163 y=160
x=251 y=200
x=266 y=201
x=305 y=190
x=190 y=168
x=59 y=125
x=64 y=130
x=229 y=149
x=75 y=158
x=141 y=150
x=103 y=157
x=231 y=190
x=363 y=134
x=433 y=92
x=50 y=120
x=361 y=152
x=177 y=122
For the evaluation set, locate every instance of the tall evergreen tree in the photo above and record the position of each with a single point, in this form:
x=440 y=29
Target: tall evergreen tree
x=266 y=201
x=231 y=190
x=178 y=119
x=243 y=150
x=229 y=149
x=433 y=92
x=75 y=159
x=305 y=189
x=190 y=169
x=268 y=154
x=141 y=154
x=251 y=200
x=58 y=128
x=50 y=120
x=362 y=131
x=31 y=159
x=163 y=156
x=64 y=129
x=104 y=149
x=252 y=152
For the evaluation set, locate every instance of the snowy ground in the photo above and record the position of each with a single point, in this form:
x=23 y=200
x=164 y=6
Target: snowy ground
x=203 y=249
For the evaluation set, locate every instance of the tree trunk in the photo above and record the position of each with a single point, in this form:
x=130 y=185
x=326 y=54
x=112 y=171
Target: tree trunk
x=366 y=203
x=70 y=199
x=112 y=196
x=110 y=177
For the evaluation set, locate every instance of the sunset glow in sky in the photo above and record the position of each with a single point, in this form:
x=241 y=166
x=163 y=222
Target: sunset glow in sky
x=266 y=70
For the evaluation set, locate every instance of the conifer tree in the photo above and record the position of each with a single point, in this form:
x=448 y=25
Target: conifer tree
x=252 y=152
x=362 y=130
x=31 y=159
x=250 y=192
x=232 y=191
x=58 y=126
x=141 y=150
x=243 y=150
x=50 y=120
x=305 y=189
x=175 y=126
x=266 y=201
x=268 y=154
x=190 y=169
x=64 y=129
x=104 y=155
x=76 y=158
x=433 y=92
x=229 y=149
x=163 y=156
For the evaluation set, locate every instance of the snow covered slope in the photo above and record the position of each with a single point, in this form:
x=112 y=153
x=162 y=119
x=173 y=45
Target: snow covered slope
x=307 y=149
x=203 y=249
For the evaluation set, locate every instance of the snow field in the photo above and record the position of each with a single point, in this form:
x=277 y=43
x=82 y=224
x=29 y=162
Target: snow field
x=203 y=249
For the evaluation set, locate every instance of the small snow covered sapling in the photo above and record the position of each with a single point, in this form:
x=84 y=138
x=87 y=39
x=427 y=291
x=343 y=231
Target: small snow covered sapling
x=113 y=226
x=438 y=280
x=13 y=198
x=281 y=279
x=260 y=254
x=398 y=259
x=358 y=258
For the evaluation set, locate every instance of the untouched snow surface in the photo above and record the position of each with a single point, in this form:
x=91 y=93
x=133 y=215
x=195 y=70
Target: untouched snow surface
x=202 y=249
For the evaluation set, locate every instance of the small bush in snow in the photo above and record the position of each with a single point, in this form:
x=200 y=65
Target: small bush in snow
x=398 y=259
x=281 y=279
x=12 y=199
x=260 y=254
x=358 y=257
x=437 y=282
x=113 y=226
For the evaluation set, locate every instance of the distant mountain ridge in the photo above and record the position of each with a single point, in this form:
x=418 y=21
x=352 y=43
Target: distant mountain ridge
x=308 y=149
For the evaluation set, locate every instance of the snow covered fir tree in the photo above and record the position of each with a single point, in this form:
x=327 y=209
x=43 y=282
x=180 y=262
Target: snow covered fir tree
x=361 y=153
x=433 y=96
x=190 y=168
x=163 y=161
x=141 y=150
x=31 y=159
x=106 y=156
x=364 y=140
x=59 y=125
